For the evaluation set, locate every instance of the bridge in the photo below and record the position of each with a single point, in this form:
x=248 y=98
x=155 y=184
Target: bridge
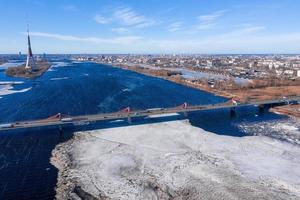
x=61 y=120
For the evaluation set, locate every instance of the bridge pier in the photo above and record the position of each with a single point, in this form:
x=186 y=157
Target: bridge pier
x=60 y=130
x=185 y=114
x=129 y=120
x=261 y=108
x=232 y=112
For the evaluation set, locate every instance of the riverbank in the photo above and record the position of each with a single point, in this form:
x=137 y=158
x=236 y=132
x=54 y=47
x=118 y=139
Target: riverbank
x=225 y=89
x=175 y=160
x=21 y=72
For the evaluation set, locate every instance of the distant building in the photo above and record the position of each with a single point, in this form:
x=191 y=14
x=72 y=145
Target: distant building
x=298 y=73
x=289 y=72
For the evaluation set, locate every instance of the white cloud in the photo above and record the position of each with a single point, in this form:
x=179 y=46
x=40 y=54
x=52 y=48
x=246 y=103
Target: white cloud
x=126 y=17
x=129 y=17
x=209 y=21
x=120 y=30
x=244 y=40
x=176 y=26
x=102 y=20
x=115 y=40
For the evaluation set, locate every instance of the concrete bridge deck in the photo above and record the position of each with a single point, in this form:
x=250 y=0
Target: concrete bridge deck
x=61 y=120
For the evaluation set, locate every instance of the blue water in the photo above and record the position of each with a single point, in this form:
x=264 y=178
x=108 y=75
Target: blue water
x=89 y=88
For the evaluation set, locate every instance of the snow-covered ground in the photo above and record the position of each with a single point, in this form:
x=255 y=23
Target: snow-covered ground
x=175 y=160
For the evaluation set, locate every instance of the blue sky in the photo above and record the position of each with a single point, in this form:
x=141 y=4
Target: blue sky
x=153 y=26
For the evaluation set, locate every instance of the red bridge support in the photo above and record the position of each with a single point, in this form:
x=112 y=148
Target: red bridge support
x=127 y=110
x=184 y=106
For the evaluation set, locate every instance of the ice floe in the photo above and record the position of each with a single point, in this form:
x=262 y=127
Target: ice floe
x=8 y=89
x=10 y=82
x=61 y=64
x=59 y=78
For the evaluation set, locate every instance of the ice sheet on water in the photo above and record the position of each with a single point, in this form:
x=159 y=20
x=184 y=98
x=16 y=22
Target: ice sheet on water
x=59 y=78
x=163 y=115
x=10 y=82
x=8 y=89
x=51 y=69
x=60 y=64
x=174 y=159
x=284 y=129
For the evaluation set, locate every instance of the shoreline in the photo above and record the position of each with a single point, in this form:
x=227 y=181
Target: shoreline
x=62 y=162
x=241 y=94
x=181 y=82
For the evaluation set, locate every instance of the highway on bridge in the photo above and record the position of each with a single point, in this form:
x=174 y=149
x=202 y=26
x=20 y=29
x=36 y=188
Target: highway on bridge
x=60 y=120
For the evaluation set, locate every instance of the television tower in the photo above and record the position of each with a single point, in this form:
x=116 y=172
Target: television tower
x=30 y=62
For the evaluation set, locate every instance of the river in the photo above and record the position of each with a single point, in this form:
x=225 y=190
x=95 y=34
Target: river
x=88 y=88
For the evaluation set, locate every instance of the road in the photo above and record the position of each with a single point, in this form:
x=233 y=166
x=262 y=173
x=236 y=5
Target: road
x=127 y=114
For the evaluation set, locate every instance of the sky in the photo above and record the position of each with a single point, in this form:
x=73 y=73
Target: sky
x=152 y=26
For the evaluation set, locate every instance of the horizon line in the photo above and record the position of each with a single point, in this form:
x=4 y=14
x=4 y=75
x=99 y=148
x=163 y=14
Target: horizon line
x=153 y=53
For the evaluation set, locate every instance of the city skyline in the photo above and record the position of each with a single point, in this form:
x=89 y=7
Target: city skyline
x=153 y=27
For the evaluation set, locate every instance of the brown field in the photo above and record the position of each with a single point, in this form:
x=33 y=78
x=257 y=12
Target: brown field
x=266 y=93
